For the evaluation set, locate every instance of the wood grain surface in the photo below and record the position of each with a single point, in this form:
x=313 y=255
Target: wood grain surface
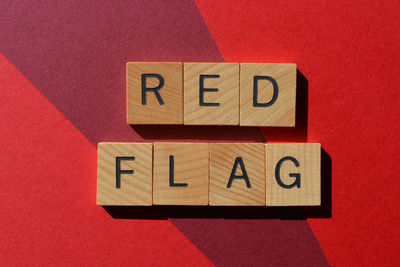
x=136 y=188
x=222 y=159
x=227 y=96
x=283 y=111
x=191 y=167
x=308 y=157
x=171 y=112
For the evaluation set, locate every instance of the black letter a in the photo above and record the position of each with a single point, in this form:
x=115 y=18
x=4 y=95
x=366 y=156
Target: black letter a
x=239 y=161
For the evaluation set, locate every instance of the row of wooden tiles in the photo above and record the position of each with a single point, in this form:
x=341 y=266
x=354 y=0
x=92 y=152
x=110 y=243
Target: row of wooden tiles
x=245 y=94
x=215 y=174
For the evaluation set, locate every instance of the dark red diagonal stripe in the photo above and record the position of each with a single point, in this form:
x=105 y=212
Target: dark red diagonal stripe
x=266 y=242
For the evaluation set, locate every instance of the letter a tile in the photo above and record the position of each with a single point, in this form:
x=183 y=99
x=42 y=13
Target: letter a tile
x=124 y=174
x=237 y=174
x=293 y=175
x=154 y=93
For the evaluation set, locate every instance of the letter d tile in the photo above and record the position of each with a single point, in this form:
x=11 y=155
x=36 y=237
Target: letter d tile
x=267 y=94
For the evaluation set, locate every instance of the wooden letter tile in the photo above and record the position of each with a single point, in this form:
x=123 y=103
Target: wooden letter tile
x=267 y=94
x=124 y=174
x=237 y=174
x=211 y=93
x=154 y=93
x=181 y=174
x=293 y=175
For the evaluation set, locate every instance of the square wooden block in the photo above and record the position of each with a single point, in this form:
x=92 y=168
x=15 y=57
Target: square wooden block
x=267 y=94
x=293 y=174
x=181 y=174
x=154 y=93
x=237 y=174
x=124 y=174
x=211 y=93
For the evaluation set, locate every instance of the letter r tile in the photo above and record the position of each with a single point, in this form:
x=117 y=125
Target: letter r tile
x=237 y=174
x=124 y=174
x=154 y=93
x=181 y=174
x=211 y=93
x=293 y=174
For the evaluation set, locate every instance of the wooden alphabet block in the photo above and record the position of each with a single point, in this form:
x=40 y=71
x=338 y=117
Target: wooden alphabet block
x=124 y=174
x=293 y=174
x=211 y=93
x=267 y=94
x=181 y=174
x=154 y=93
x=237 y=174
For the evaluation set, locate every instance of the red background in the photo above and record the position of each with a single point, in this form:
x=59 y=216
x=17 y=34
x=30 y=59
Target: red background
x=62 y=82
